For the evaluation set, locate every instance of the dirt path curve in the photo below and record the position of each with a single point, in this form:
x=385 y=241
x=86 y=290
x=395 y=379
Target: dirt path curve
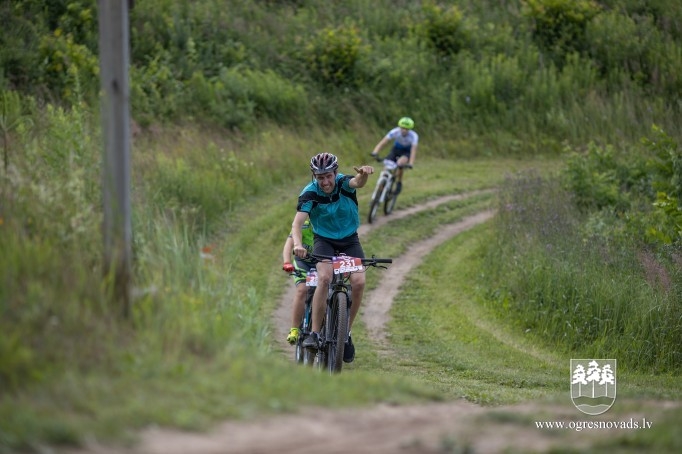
x=375 y=313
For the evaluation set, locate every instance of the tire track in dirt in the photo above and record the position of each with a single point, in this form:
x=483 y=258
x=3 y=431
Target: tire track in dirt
x=375 y=313
x=376 y=318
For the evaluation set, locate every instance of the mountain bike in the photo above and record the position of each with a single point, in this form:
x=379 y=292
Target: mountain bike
x=334 y=331
x=384 y=191
x=303 y=355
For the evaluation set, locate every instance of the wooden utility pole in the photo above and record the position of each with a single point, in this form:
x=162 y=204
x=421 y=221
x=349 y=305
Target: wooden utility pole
x=114 y=61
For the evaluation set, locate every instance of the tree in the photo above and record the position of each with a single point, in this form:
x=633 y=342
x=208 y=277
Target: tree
x=579 y=378
x=593 y=373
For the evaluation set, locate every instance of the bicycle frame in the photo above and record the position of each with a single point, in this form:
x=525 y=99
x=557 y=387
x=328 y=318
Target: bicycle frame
x=383 y=186
x=383 y=191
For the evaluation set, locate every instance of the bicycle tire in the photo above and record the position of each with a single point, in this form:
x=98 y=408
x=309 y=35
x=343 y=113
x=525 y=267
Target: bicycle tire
x=390 y=200
x=374 y=205
x=305 y=356
x=299 y=352
x=338 y=324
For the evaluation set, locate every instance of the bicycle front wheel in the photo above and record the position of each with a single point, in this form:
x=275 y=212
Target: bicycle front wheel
x=390 y=200
x=338 y=330
x=376 y=200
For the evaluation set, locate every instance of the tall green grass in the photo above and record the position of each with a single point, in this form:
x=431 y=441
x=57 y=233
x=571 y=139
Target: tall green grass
x=593 y=295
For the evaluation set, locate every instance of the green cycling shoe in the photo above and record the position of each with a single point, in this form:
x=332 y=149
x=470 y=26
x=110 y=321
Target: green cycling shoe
x=293 y=336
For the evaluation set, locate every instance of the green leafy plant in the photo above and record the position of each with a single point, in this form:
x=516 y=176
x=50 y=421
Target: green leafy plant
x=333 y=53
x=443 y=29
x=593 y=177
x=666 y=167
x=558 y=26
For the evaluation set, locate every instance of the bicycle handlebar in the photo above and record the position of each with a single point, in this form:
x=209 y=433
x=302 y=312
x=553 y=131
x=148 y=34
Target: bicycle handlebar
x=402 y=166
x=372 y=261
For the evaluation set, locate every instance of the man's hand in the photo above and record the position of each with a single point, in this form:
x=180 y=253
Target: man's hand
x=364 y=170
x=288 y=267
x=300 y=252
x=359 y=180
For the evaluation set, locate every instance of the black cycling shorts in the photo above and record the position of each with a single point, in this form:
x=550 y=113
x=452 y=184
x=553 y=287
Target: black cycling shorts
x=350 y=246
x=397 y=152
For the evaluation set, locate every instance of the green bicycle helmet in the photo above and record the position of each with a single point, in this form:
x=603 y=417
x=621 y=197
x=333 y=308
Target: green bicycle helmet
x=406 y=122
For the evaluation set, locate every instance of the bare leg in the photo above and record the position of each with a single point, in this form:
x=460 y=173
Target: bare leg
x=299 y=304
x=324 y=277
x=358 y=285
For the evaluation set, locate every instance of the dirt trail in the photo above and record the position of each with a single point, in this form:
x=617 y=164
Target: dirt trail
x=457 y=426
x=375 y=313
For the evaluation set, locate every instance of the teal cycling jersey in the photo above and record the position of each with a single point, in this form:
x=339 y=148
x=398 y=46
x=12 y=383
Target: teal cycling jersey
x=332 y=215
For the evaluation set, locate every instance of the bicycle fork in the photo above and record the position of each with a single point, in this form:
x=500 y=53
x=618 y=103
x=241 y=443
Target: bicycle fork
x=329 y=341
x=385 y=187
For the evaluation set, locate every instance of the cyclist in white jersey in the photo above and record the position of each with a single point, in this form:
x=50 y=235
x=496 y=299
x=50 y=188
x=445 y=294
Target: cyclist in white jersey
x=404 y=150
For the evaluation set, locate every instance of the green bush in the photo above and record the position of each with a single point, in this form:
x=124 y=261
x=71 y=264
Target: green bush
x=443 y=29
x=618 y=43
x=155 y=93
x=558 y=26
x=665 y=166
x=20 y=60
x=224 y=100
x=332 y=55
x=593 y=178
x=239 y=98
x=70 y=68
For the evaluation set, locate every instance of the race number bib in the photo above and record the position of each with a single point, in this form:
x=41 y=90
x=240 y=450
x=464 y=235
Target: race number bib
x=345 y=264
x=311 y=278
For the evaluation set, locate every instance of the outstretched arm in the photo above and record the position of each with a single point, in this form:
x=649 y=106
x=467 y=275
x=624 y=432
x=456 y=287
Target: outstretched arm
x=413 y=153
x=382 y=143
x=360 y=179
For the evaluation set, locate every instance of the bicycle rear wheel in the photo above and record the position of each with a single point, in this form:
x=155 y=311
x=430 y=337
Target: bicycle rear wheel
x=390 y=200
x=374 y=205
x=299 y=352
x=337 y=330
x=303 y=355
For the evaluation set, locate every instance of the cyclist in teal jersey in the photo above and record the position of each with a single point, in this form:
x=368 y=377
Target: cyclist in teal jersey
x=404 y=151
x=332 y=206
x=303 y=266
